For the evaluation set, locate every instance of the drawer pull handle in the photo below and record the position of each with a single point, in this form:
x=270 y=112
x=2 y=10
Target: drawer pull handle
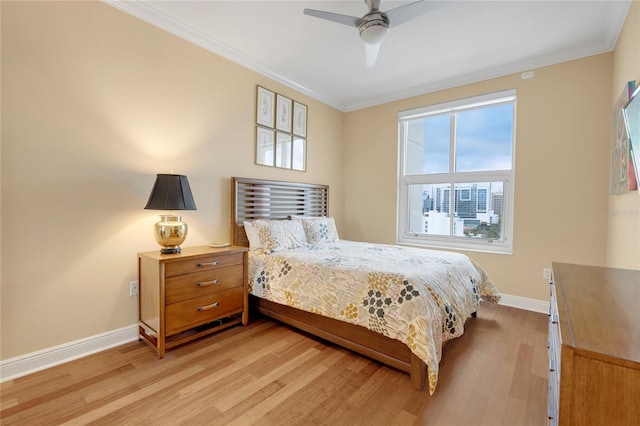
x=208 y=283
x=211 y=306
x=214 y=263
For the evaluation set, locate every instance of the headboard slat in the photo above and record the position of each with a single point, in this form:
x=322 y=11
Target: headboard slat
x=253 y=199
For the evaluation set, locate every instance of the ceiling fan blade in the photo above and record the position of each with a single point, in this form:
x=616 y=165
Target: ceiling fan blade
x=371 y=52
x=412 y=10
x=350 y=21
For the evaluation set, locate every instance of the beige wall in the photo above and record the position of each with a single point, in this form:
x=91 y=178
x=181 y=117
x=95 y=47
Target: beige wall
x=562 y=135
x=94 y=104
x=623 y=231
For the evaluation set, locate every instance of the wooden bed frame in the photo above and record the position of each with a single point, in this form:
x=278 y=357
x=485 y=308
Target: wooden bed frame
x=253 y=199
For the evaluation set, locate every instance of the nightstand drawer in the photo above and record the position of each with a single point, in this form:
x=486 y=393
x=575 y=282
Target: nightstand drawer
x=204 y=263
x=202 y=283
x=193 y=312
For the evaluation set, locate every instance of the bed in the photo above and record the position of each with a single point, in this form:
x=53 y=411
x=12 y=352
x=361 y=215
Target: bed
x=394 y=304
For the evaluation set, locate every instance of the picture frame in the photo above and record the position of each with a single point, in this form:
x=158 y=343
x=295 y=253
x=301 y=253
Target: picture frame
x=621 y=166
x=632 y=121
x=281 y=131
x=299 y=119
x=265 y=107
x=265 y=146
x=299 y=154
x=283 y=113
x=283 y=150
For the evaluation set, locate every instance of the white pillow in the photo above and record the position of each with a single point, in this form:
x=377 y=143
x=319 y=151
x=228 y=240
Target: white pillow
x=252 y=230
x=319 y=229
x=282 y=235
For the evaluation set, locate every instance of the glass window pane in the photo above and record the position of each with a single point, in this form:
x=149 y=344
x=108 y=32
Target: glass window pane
x=478 y=209
x=429 y=209
x=484 y=139
x=427 y=145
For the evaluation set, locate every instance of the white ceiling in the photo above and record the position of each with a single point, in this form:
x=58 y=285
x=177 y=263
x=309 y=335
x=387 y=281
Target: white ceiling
x=457 y=43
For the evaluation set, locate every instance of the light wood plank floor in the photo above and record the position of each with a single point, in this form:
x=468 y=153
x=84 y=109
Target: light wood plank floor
x=270 y=374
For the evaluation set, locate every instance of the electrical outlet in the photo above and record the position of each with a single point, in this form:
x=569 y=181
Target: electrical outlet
x=133 y=288
x=546 y=273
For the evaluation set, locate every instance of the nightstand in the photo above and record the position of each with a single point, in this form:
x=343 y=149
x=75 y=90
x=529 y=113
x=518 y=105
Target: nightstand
x=191 y=294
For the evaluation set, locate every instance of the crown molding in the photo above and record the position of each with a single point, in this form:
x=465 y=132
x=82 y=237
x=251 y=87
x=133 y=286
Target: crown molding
x=146 y=13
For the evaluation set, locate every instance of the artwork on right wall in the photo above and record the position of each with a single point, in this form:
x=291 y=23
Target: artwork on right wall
x=632 y=121
x=623 y=175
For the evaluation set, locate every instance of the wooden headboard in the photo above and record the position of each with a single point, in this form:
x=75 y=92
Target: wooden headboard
x=253 y=199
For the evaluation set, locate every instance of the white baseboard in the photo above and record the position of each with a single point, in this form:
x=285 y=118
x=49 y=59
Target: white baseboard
x=36 y=361
x=46 y=358
x=525 y=303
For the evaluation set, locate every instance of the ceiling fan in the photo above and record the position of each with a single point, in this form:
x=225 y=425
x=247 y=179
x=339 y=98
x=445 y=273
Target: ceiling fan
x=374 y=26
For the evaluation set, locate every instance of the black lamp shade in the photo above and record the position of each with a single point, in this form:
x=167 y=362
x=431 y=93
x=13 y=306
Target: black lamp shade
x=171 y=192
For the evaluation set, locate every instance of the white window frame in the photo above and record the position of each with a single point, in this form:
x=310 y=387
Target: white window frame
x=406 y=236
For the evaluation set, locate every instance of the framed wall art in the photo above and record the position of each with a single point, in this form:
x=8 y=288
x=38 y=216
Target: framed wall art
x=281 y=131
x=265 y=107
x=299 y=119
x=265 y=146
x=283 y=113
x=299 y=154
x=283 y=150
x=620 y=156
x=632 y=120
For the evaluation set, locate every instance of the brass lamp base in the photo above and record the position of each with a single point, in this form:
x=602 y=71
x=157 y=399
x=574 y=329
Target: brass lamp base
x=170 y=232
x=170 y=250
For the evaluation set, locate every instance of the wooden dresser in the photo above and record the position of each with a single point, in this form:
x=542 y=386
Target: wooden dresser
x=191 y=294
x=594 y=346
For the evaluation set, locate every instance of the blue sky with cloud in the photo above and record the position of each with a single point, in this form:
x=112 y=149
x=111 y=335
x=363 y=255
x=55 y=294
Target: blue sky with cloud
x=483 y=140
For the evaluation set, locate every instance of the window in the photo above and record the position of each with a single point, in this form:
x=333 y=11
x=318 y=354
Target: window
x=456 y=174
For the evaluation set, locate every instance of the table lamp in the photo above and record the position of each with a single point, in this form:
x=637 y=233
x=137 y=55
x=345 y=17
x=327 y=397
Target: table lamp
x=171 y=192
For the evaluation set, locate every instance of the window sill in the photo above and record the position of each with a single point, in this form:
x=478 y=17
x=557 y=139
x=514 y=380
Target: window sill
x=492 y=248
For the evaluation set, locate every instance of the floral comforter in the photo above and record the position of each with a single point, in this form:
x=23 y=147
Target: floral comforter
x=420 y=297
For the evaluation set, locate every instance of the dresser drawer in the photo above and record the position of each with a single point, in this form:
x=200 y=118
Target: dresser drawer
x=182 y=287
x=204 y=263
x=193 y=312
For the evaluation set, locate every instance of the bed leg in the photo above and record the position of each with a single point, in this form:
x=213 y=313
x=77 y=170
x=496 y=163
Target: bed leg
x=418 y=372
x=474 y=314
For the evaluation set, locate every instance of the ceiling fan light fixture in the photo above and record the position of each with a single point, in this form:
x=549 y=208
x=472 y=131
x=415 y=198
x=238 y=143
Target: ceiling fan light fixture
x=374 y=26
x=374 y=32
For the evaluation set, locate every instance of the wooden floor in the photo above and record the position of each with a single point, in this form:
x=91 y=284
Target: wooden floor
x=269 y=374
